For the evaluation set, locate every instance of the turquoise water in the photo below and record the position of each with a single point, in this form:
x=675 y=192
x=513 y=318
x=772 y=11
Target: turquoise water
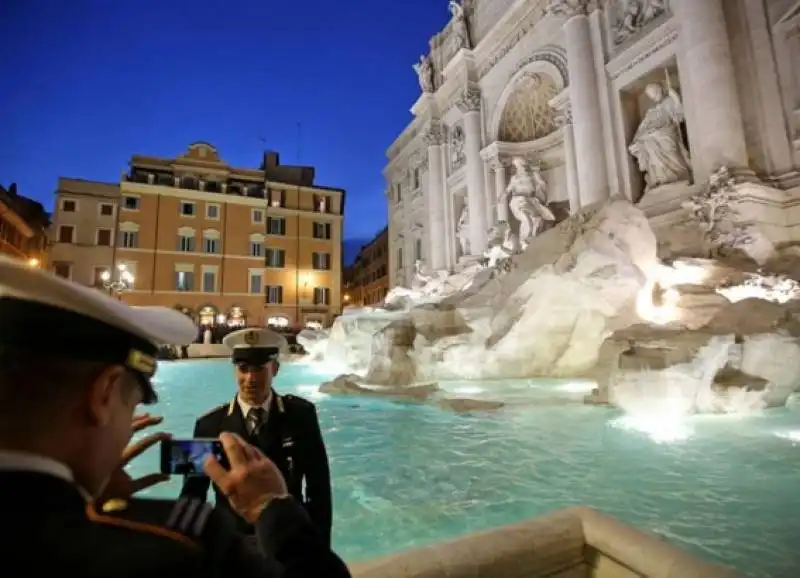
x=727 y=489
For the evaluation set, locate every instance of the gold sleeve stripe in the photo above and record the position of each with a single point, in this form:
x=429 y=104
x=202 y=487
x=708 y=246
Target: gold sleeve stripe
x=139 y=527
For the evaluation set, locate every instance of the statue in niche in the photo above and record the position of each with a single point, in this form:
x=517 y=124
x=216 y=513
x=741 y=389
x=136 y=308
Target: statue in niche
x=527 y=198
x=657 y=145
x=457 y=155
x=424 y=70
x=633 y=15
x=462 y=230
x=460 y=25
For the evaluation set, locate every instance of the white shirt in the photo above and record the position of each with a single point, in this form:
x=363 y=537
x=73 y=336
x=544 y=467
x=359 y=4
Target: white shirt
x=246 y=407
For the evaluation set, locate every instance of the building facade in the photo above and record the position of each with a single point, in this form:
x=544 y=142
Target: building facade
x=367 y=279
x=83 y=231
x=23 y=227
x=229 y=246
x=582 y=91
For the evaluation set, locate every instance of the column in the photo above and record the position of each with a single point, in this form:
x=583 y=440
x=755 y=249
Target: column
x=716 y=131
x=500 y=185
x=470 y=106
x=573 y=194
x=488 y=195
x=434 y=138
x=587 y=126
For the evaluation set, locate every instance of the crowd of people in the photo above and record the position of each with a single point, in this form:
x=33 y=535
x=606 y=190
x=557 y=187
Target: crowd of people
x=75 y=365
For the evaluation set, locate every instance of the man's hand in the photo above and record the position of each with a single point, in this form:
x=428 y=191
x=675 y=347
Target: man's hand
x=120 y=485
x=252 y=481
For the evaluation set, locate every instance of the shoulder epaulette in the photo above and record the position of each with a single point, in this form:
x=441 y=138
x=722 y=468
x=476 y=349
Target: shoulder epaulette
x=297 y=400
x=189 y=517
x=214 y=410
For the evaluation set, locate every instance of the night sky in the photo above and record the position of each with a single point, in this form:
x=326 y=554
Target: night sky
x=87 y=83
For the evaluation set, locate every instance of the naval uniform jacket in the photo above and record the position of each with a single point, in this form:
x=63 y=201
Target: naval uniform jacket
x=291 y=438
x=49 y=530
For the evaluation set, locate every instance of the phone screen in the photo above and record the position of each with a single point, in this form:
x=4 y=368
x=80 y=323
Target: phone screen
x=185 y=457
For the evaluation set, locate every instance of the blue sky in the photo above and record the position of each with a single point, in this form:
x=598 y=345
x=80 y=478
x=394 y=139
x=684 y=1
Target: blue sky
x=87 y=83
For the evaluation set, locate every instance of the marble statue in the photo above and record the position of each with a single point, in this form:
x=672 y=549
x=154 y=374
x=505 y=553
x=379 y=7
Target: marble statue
x=633 y=15
x=462 y=230
x=457 y=155
x=421 y=275
x=657 y=144
x=424 y=70
x=460 y=25
x=527 y=195
x=500 y=247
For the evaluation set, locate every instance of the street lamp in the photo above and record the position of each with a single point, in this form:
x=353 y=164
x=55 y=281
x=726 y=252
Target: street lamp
x=123 y=282
x=33 y=262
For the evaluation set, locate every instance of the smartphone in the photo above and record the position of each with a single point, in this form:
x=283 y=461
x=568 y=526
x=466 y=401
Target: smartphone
x=185 y=457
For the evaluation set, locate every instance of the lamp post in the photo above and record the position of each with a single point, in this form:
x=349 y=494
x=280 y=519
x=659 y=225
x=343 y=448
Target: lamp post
x=117 y=286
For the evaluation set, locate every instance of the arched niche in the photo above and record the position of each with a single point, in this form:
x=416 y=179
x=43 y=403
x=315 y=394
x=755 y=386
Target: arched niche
x=530 y=89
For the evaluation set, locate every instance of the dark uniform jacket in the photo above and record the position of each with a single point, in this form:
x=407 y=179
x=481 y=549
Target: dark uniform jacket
x=291 y=438
x=49 y=530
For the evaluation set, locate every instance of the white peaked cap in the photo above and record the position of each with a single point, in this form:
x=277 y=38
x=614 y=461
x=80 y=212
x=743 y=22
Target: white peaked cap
x=158 y=325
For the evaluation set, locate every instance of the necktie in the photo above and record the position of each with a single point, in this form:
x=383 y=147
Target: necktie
x=255 y=419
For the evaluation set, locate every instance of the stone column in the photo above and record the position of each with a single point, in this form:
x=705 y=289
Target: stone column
x=434 y=138
x=717 y=137
x=488 y=195
x=500 y=185
x=470 y=106
x=570 y=168
x=588 y=128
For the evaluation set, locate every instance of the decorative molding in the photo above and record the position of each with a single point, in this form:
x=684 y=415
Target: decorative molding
x=637 y=53
x=568 y=8
x=528 y=24
x=470 y=100
x=435 y=135
x=628 y=20
x=554 y=55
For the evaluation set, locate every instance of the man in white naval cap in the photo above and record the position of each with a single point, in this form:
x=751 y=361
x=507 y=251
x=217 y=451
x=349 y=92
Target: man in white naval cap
x=284 y=427
x=74 y=365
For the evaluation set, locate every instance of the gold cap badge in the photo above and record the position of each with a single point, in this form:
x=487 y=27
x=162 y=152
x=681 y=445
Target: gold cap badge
x=251 y=337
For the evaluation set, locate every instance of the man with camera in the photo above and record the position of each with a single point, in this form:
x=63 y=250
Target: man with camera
x=74 y=365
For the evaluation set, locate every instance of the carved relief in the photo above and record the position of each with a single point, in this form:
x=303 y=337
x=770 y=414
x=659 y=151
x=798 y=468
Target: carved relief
x=568 y=8
x=435 y=134
x=457 y=156
x=470 y=100
x=631 y=16
x=554 y=55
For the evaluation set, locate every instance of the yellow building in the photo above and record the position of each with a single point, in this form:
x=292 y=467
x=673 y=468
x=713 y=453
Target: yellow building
x=230 y=245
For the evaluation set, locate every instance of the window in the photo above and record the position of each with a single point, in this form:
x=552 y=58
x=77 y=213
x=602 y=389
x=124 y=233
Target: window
x=186 y=240
x=322 y=295
x=103 y=238
x=275 y=258
x=257 y=216
x=129 y=239
x=69 y=205
x=63 y=270
x=209 y=280
x=398 y=192
x=212 y=212
x=97 y=275
x=184 y=280
x=211 y=241
x=274 y=294
x=256 y=248
x=130 y=203
x=416 y=179
x=418 y=249
x=322 y=230
x=275 y=198
x=187 y=209
x=400 y=258
x=321 y=261
x=256 y=281
x=130 y=267
x=276 y=226
x=66 y=234
x=106 y=210
x=321 y=204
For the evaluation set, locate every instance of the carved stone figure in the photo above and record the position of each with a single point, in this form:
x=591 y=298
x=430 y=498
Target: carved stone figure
x=421 y=275
x=657 y=144
x=527 y=195
x=460 y=26
x=500 y=247
x=633 y=15
x=424 y=70
x=568 y=8
x=457 y=155
x=462 y=230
